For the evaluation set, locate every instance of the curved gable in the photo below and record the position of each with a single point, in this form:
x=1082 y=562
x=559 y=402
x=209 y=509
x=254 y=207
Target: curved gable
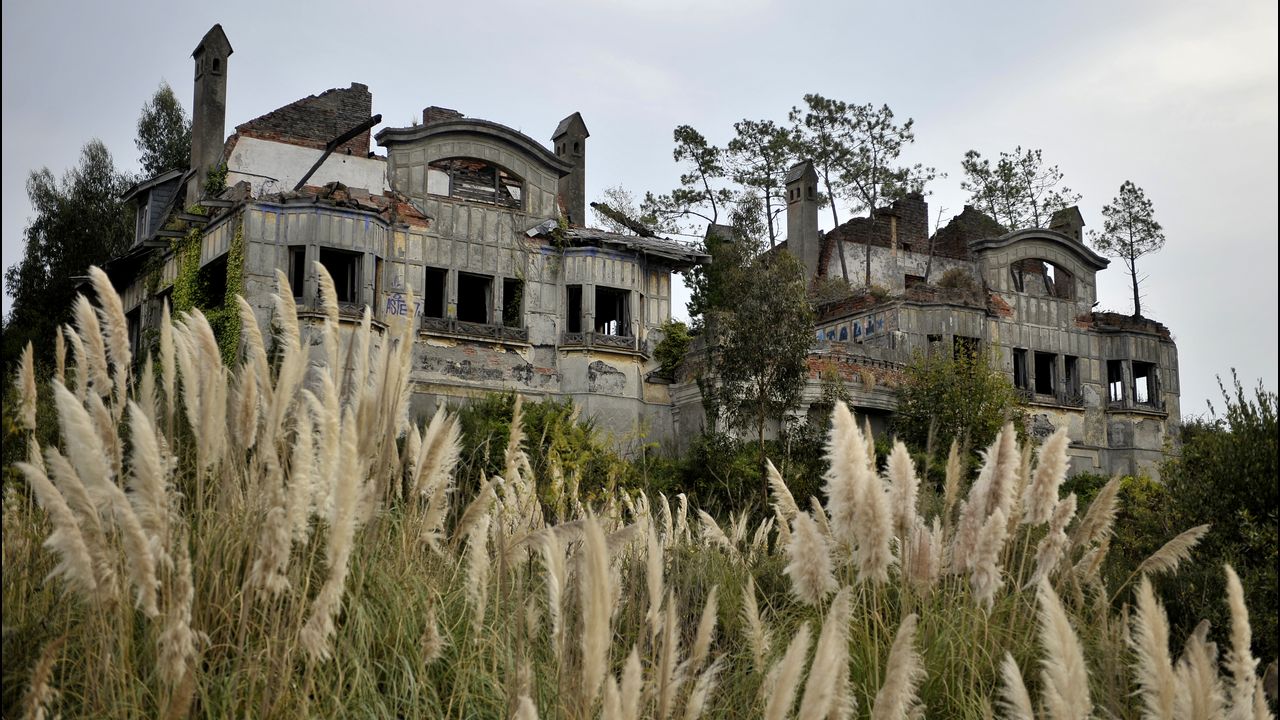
x=513 y=140
x=1039 y=243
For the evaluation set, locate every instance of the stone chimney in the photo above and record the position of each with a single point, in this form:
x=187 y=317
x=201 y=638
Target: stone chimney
x=570 y=144
x=802 y=216
x=208 y=109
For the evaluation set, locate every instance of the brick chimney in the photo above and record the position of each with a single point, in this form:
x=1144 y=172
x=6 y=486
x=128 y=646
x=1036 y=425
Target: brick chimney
x=570 y=144
x=435 y=114
x=209 y=108
x=802 y=216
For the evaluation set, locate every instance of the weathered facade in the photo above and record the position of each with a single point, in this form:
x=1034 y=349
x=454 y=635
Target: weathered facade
x=465 y=216
x=1028 y=296
x=486 y=227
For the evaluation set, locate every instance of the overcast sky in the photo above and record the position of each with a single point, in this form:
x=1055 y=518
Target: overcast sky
x=1179 y=97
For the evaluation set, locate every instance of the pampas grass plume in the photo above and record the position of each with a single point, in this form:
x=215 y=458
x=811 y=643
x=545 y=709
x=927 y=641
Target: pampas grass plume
x=784 y=677
x=810 y=562
x=76 y=564
x=1041 y=494
x=1063 y=675
x=1174 y=552
x=830 y=668
x=897 y=698
x=26 y=387
x=1240 y=662
x=596 y=608
x=1015 y=701
x=1153 y=666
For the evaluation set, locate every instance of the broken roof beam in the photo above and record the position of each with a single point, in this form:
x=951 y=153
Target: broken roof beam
x=621 y=218
x=334 y=144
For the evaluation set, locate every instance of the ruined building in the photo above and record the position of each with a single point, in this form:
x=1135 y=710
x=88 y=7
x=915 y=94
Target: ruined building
x=1028 y=296
x=467 y=212
x=513 y=292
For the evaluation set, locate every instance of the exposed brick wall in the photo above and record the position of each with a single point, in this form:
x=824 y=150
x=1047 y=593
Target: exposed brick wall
x=436 y=114
x=953 y=240
x=314 y=121
x=910 y=215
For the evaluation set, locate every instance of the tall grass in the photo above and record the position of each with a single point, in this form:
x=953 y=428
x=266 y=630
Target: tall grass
x=279 y=539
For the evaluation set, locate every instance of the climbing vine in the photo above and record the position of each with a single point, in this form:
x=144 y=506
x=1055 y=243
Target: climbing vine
x=193 y=289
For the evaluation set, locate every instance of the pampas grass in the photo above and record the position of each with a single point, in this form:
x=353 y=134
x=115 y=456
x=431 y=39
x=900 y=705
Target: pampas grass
x=289 y=473
x=829 y=671
x=1063 y=673
x=810 y=562
x=897 y=698
x=1240 y=662
x=1153 y=666
x=784 y=677
x=1015 y=701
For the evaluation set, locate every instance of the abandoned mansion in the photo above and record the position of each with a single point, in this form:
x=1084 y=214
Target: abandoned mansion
x=514 y=291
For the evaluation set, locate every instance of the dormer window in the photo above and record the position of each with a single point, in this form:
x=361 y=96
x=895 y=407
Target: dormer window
x=475 y=181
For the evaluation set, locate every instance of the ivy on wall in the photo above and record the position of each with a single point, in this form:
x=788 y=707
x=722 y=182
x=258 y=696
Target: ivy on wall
x=195 y=289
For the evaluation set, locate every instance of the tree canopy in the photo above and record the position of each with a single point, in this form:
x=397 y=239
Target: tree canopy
x=766 y=336
x=1018 y=191
x=79 y=221
x=1129 y=232
x=164 y=134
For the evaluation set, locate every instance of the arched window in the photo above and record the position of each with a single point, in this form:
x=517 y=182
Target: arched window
x=1034 y=276
x=475 y=181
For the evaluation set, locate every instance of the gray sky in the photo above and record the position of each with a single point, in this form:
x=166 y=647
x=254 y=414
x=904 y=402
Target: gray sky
x=1179 y=97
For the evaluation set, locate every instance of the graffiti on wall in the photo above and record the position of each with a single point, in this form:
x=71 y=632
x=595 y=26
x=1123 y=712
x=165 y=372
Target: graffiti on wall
x=398 y=304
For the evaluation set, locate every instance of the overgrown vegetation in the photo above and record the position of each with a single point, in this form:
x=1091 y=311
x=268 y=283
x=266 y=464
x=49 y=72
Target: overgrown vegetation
x=954 y=395
x=278 y=539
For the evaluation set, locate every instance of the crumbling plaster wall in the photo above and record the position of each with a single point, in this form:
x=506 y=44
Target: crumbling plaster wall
x=271 y=167
x=891 y=265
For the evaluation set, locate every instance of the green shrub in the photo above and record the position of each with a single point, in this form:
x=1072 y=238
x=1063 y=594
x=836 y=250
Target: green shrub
x=673 y=347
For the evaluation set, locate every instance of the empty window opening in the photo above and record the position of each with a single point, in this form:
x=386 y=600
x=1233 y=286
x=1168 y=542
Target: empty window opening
x=475 y=294
x=297 y=268
x=344 y=268
x=1115 y=381
x=217 y=67
x=573 y=309
x=512 y=302
x=910 y=281
x=1144 y=383
x=965 y=346
x=1072 y=379
x=133 y=319
x=212 y=283
x=476 y=181
x=1041 y=277
x=1046 y=373
x=1020 y=378
x=433 y=286
x=612 y=312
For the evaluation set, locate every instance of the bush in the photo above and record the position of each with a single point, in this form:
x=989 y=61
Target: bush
x=674 y=346
x=1226 y=475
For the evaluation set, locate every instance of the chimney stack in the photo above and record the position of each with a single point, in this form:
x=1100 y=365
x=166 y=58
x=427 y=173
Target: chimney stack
x=570 y=144
x=209 y=109
x=802 y=216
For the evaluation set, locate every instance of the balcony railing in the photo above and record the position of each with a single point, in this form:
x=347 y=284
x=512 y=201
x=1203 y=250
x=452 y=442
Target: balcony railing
x=601 y=340
x=482 y=331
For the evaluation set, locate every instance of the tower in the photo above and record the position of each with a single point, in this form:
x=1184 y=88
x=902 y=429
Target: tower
x=209 y=108
x=570 y=144
x=802 y=216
